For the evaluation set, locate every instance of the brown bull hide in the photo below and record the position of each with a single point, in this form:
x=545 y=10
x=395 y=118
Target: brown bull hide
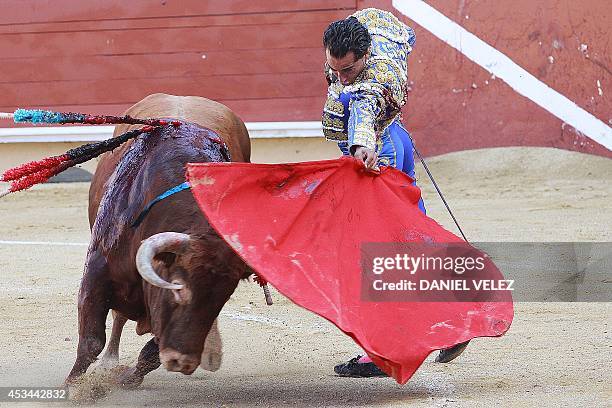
x=206 y=113
x=125 y=181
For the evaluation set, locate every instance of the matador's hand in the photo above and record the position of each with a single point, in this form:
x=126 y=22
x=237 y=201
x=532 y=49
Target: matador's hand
x=367 y=156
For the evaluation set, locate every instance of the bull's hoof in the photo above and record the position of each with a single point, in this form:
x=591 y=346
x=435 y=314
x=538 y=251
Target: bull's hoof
x=70 y=381
x=211 y=361
x=449 y=354
x=129 y=378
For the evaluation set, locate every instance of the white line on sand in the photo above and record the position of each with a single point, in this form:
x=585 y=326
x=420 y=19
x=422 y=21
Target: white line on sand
x=503 y=67
x=253 y=318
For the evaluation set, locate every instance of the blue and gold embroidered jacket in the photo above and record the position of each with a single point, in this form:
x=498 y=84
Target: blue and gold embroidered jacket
x=358 y=113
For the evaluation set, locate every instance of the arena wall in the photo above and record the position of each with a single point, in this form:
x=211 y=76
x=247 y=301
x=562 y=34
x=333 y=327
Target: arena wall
x=264 y=60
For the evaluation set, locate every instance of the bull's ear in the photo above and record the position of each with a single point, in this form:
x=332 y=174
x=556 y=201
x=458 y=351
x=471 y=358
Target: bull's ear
x=167 y=258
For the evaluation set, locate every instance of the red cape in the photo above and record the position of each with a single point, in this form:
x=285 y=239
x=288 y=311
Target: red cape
x=300 y=227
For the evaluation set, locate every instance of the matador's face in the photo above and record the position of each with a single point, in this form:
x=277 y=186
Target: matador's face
x=347 y=68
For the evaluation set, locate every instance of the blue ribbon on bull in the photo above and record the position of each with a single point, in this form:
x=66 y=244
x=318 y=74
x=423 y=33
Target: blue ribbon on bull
x=173 y=190
x=177 y=189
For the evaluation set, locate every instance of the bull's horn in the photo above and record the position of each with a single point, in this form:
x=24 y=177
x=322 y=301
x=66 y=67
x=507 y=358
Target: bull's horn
x=175 y=242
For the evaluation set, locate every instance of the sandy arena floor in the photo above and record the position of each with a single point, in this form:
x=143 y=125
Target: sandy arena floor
x=555 y=354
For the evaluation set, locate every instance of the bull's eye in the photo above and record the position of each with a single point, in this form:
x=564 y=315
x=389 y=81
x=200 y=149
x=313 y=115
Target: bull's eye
x=177 y=295
x=181 y=296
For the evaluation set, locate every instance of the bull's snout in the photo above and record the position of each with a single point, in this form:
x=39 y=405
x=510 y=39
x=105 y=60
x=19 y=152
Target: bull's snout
x=175 y=361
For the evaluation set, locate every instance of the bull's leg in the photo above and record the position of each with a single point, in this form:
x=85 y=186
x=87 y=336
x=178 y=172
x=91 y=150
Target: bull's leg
x=148 y=360
x=213 y=352
x=94 y=297
x=111 y=355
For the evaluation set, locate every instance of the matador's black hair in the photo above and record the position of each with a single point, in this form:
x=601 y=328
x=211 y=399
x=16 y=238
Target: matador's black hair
x=347 y=35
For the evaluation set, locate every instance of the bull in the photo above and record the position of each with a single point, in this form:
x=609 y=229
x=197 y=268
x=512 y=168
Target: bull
x=175 y=283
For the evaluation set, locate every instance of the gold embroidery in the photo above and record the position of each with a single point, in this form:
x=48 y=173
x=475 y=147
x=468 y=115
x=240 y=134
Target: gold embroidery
x=333 y=106
x=331 y=134
x=383 y=161
x=330 y=122
x=383 y=23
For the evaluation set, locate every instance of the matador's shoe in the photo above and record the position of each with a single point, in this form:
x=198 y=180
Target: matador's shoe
x=353 y=368
x=452 y=353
